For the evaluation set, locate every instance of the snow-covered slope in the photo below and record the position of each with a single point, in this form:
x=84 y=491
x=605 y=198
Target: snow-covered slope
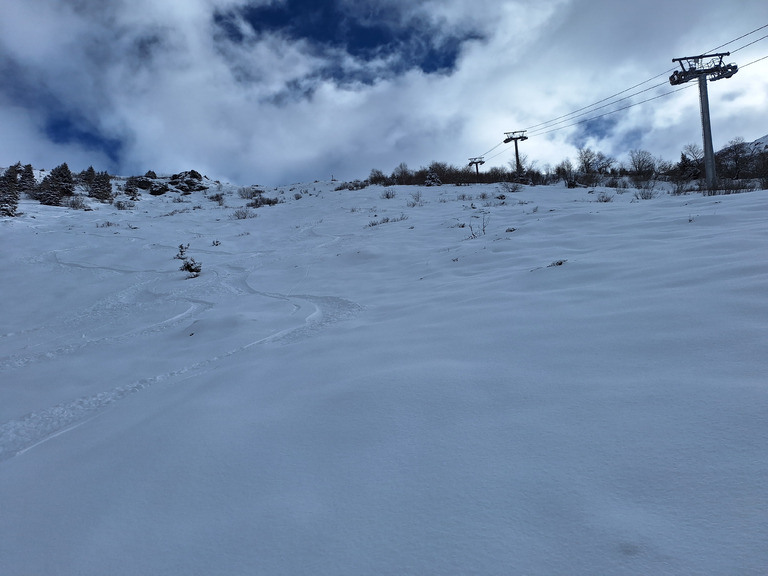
x=361 y=385
x=761 y=144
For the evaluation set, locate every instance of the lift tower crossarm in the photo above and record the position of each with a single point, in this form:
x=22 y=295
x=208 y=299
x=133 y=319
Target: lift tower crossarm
x=476 y=162
x=710 y=65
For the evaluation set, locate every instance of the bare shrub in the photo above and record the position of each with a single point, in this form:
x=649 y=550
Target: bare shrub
x=259 y=201
x=728 y=186
x=510 y=187
x=243 y=214
x=76 y=202
x=123 y=205
x=388 y=194
x=354 y=185
x=247 y=192
x=218 y=198
x=645 y=194
x=386 y=219
x=416 y=199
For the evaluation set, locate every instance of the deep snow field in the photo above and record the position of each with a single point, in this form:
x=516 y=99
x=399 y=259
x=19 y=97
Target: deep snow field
x=580 y=389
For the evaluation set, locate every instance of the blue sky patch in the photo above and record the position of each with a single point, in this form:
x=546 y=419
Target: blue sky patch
x=66 y=129
x=329 y=27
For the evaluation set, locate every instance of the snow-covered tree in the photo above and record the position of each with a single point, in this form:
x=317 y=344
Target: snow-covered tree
x=433 y=179
x=85 y=179
x=27 y=182
x=101 y=187
x=56 y=185
x=9 y=191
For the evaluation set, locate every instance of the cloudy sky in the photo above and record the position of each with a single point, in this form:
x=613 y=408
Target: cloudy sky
x=281 y=91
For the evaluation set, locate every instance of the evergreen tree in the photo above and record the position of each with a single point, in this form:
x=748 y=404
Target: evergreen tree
x=56 y=185
x=9 y=191
x=27 y=183
x=101 y=187
x=86 y=178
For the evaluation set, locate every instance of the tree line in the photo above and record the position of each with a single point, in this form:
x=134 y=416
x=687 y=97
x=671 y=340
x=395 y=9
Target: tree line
x=55 y=188
x=737 y=161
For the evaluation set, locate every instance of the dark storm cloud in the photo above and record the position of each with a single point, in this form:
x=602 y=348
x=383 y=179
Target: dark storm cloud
x=387 y=41
x=61 y=121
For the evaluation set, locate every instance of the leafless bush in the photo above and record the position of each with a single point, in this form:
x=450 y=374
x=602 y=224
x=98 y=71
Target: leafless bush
x=645 y=194
x=416 y=199
x=218 y=198
x=386 y=219
x=243 y=214
x=259 y=201
x=510 y=187
x=76 y=202
x=728 y=186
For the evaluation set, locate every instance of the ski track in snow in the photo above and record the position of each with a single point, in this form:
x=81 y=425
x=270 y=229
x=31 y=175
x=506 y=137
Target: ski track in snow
x=21 y=435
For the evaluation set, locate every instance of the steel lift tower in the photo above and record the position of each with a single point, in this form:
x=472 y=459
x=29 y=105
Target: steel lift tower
x=477 y=162
x=510 y=136
x=701 y=67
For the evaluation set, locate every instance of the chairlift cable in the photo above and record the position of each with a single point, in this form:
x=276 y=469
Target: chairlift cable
x=754 y=62
x=619 y=109
x=542 y=130
x=750 y=44
x=739 y=38
x=565 y=116
x=491 y=150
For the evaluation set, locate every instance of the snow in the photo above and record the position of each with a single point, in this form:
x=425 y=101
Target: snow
x=331 y=397
x=761 y=144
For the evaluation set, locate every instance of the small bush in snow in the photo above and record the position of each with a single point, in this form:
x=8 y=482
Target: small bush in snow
x=192 y=268
x=386 y=219
x=603 y=197
x=76 y=202
x=388 y=194
x=416 y=199
x=259 y=201
x=218 y=198
x=123 y=205
x=247 y=192
x=182 y=254
x=243 y=214
x=511 y=187
x=354 y=185
x=645 y=194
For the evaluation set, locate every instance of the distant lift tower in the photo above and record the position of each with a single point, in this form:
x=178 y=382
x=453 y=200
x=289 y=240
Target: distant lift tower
x=477 y=162
x=701 y=67
x=519 y=135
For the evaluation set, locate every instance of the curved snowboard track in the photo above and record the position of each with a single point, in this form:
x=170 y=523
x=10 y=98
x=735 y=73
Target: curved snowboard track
x=22 y=434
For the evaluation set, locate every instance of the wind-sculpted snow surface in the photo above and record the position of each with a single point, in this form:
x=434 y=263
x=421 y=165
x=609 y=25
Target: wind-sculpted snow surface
x=535 y=384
